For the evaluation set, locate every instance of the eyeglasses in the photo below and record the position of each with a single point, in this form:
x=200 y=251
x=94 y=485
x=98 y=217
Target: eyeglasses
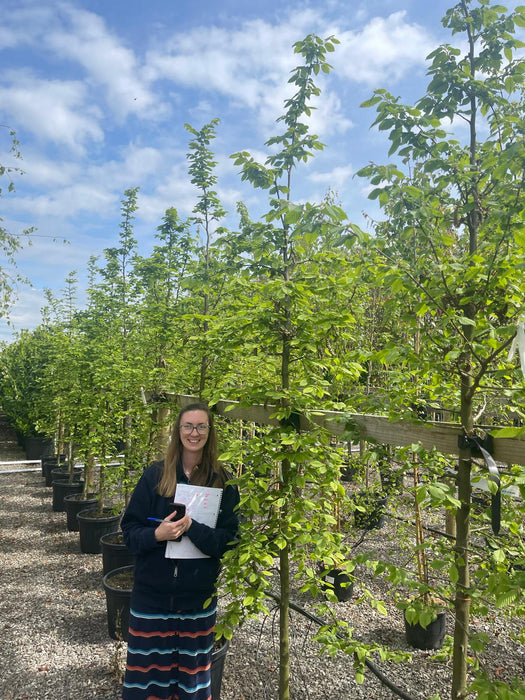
x=188 y=428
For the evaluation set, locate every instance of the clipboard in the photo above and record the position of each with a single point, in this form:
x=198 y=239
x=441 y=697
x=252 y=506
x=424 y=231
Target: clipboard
x=202 y=504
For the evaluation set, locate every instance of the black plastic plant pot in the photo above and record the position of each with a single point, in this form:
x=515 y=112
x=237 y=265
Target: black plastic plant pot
x=52 y=462
x=340 y=583
x=218 y=658
x=37 y=447
x=61 y=489
x=349 y=472
x=429 y=637
x=57 y=473
x=115 y=554
x=92 y=525
x=117 y=586
x=49 y=466
x=73 y=504
x=373 y=516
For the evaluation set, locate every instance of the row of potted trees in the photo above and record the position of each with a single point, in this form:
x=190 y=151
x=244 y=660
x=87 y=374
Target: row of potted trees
x=377 y=472
x=303 y=309
x=99 y=533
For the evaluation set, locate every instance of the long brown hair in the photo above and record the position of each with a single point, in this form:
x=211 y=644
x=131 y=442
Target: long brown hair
x=203 y=475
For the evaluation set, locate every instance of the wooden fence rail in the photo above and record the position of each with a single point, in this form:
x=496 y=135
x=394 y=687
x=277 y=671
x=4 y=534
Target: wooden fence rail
x=442 y=436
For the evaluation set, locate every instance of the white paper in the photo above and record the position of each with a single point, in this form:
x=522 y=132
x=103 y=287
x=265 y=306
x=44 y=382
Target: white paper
x=202 y=504
x=519 y=344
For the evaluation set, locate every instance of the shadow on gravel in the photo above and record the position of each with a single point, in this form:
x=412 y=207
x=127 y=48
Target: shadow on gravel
x=83 y=580
x=78 y=629
x=387 y=635
x=96 y=682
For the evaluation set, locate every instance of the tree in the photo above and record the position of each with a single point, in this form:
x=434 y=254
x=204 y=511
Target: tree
x=207 y=280
x=23 y=364
x=10 y=244
x=113 y=361
x=452 y=243
x=162 y=280
x=281 y=317
x=60 y=377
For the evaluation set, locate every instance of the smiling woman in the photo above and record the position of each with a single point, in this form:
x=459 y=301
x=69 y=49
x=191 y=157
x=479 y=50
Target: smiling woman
x=193 y=437
x=172 y=621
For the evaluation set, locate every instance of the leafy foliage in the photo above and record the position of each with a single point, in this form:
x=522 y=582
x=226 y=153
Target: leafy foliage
x=301 y=310
x=450 y=247
x=10 y=243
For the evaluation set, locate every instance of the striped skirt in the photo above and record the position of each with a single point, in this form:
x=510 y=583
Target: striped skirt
x=169 y=655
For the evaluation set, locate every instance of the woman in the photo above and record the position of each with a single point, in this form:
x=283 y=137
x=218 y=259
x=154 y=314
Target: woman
x=171 y=636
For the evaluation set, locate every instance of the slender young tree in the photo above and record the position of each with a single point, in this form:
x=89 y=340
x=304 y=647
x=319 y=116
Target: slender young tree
x=208 y=212
x=452 y=243
x=115 y=370
x=10 y=244
x=162 y=279
x=60 y=378
x=281 y=314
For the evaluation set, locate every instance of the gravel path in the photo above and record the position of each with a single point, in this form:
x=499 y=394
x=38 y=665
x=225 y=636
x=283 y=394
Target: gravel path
x=53 y=630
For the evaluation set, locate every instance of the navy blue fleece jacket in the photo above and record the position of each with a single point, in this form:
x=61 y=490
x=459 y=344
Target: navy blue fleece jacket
x=174 y=584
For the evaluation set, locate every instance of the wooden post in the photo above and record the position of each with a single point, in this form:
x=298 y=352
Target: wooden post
x=162 y=413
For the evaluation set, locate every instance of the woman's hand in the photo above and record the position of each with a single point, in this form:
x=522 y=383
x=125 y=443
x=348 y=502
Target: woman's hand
x=172 y=530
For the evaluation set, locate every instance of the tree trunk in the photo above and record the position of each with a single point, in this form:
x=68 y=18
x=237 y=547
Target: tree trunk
x=284 y=557
x=462 y=602
x=284 y=632
x=450 y=523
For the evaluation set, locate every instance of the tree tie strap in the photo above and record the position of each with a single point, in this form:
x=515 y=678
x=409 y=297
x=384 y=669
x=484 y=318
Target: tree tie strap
x=494 y=476
x=482 y=447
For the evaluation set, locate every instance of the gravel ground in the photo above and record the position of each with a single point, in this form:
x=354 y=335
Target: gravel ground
x=53 y=630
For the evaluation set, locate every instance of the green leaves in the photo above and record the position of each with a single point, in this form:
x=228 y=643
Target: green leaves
x=302 y=310
x=450 y=251
x=508 y=432
x=487 y=688
x=10 y=244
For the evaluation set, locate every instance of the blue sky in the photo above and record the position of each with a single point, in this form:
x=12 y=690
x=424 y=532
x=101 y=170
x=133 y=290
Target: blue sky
x=99 y=91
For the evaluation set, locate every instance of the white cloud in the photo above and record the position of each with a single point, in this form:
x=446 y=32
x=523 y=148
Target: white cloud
x=89 y=51
x=46 y=251
x=46 y=263
x=70 y=201
x=336 y=178
x=70 y=187
x=249 y=65
x=8 y=39
x=136 y=165
x=40 y=171
x=107 y=62
x=53 y=110
x=22 y=26
x=24 y=314
x=173 y=189
x=384 y=50
x=328 y=118
x=203 y=111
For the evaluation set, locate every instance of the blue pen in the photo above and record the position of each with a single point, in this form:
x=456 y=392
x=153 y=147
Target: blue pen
x=159 y=520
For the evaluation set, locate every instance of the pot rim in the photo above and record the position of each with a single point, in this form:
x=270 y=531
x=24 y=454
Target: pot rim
x=121 y=570
x=90 y=509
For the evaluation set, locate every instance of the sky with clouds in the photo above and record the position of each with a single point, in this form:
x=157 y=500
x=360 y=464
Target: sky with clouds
x=99 y=92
